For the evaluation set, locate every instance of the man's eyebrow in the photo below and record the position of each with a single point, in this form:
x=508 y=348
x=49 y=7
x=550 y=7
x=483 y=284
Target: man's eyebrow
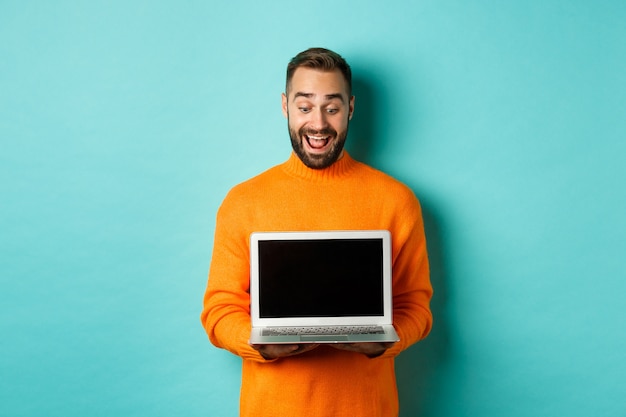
x=301 y=94
x=328 y=97
x=334 y=96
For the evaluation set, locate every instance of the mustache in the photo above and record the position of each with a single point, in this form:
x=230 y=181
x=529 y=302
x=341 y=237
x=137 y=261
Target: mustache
x=321 y=132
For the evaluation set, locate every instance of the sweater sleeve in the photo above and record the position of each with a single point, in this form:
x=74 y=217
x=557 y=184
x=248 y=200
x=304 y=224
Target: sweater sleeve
x=226 y=312
x=412 y=289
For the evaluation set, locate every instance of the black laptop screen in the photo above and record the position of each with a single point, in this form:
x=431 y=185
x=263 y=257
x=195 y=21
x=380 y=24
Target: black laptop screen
x=320 y=278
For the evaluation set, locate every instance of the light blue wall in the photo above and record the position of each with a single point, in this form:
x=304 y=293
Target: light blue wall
x=123 y=124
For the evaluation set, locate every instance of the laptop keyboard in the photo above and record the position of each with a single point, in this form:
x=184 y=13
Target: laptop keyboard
x=333 y=330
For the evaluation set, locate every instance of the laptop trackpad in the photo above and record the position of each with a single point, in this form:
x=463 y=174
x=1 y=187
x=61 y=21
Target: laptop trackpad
x=322 y=338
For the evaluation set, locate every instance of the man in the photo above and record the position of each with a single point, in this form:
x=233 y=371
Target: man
x=320 y=187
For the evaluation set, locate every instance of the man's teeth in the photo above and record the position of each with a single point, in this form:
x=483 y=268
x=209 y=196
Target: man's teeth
x=317 y=142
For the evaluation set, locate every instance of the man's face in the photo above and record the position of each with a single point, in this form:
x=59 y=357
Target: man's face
x=318 y=110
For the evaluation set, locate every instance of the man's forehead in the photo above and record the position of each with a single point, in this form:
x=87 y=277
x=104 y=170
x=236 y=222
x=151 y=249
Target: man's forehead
x=309 y=81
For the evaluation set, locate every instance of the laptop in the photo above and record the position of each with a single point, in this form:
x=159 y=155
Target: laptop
x=321 y=287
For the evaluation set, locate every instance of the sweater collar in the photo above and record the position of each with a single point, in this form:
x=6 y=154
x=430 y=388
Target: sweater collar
x=294 y=166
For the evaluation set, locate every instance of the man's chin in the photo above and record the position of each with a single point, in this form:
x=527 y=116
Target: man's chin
x=318 y=161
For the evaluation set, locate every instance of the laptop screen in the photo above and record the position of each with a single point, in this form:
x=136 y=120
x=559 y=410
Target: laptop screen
x=321 y=278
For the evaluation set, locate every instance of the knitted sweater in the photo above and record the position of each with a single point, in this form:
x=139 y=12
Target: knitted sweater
x=348 y=195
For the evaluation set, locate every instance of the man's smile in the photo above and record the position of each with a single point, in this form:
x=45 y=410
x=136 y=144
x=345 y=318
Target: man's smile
x=318 y=141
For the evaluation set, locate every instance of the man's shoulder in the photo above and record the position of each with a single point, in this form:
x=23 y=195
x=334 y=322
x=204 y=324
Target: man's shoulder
x=257 y=183
x=384 y=179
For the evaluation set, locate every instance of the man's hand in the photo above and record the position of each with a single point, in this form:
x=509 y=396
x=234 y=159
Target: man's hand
x=270 y=352
x=369 y=349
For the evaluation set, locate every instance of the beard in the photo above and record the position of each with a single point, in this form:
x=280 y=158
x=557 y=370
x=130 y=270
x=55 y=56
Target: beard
x=316 y=161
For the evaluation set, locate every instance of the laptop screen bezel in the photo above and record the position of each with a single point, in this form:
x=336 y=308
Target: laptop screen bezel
x=385 y=318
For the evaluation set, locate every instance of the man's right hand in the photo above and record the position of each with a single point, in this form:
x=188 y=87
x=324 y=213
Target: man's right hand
x=270 y=352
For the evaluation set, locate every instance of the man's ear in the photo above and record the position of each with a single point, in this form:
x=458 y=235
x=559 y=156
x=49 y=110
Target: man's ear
x=284 y=101
x=351 y=108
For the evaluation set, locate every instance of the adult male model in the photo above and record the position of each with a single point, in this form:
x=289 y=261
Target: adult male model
x=320 y=187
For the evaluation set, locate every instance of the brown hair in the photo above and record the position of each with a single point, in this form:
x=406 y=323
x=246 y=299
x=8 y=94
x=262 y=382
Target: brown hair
x=320 y=59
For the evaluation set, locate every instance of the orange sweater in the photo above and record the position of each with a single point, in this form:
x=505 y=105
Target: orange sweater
x=290 y=196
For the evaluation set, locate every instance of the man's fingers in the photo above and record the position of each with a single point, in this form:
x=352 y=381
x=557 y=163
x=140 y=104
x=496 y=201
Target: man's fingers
x=279 y=351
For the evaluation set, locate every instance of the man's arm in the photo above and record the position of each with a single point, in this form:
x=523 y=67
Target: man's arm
x=412 y=289
x=226 y=309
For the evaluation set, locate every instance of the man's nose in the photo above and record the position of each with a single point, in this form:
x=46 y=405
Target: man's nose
x=318 y=120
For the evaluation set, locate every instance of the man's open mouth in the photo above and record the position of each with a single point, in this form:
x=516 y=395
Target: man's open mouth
x=317 y=142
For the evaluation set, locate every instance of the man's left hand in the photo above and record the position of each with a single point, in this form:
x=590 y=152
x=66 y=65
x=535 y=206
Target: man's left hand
x=369 y=349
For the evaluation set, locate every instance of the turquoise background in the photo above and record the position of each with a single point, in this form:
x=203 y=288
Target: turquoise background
x=123 y=125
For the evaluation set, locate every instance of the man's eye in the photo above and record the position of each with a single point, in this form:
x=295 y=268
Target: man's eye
x=304 y=109
x=332 y=111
